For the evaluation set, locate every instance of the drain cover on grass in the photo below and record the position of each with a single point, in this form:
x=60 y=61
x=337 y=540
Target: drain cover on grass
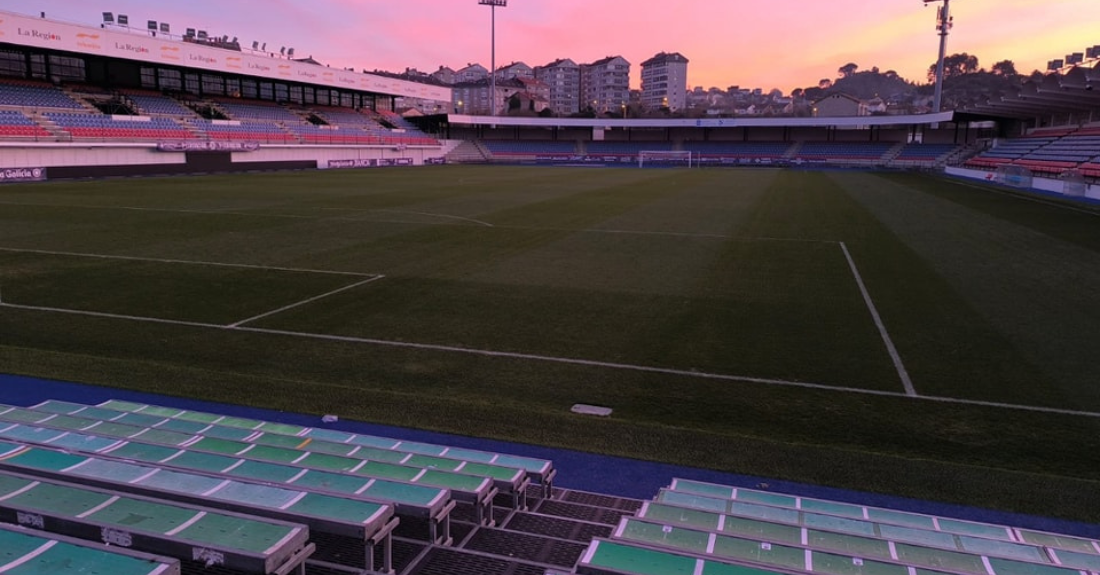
x=591 y=410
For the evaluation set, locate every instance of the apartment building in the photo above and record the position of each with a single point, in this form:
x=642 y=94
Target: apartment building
x=664 y=81
x=562 y=78
x=605 y=84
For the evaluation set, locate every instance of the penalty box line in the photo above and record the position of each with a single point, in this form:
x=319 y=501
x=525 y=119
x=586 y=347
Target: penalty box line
x=903 y=374
x=305 y=301
x=187 y=262
x=563 y=360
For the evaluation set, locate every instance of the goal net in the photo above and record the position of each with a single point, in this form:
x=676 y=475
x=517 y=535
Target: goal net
x=666 y=158
x=1074 y=184
x=1014 y=176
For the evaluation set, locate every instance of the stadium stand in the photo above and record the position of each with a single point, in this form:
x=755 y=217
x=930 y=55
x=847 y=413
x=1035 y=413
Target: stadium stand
x=501 y=468
x=1090 y=169
x=1047 y=151
x=155 y=103
x=843 y=152
x=344 y=468
x=625 y=148
x=520 y=149
x=83 y=126
x=397 y=121
x=35 y=95
x=347 y=521
x=738 y=150
x=346 y=117
x=925 y=152
x=402 y=131
x=272 y=466
x=256 y=110
x=794 y=528
x=24 y=553
x=312 y=134
x=94 y=465
x=541 y=468
x=240 y=543
x=265 y=132
x=14 y=124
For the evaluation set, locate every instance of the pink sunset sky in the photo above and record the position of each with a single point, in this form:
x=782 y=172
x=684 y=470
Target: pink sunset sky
x=773 y=44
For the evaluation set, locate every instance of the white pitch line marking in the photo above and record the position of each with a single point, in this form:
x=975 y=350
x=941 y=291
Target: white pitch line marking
x=894 y=355
x=110 y=315
x=564 y=360
x=669 y=234
x=1022 y=196
x=428 y=214
x=305 y=301
x=185 y=262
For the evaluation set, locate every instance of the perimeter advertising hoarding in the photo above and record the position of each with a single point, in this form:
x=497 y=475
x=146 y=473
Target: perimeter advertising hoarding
x=22 y=175
x=53 y=35
x=207 y=146
x=368 y=163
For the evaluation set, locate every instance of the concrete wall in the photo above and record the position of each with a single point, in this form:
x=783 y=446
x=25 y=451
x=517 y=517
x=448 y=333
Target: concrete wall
x=102 y=159
x=1049 y=185
x=19 y=155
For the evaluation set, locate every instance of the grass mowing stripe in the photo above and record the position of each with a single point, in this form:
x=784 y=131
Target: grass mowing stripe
x=551 y=359
x=444 y=216
x=442 y=348
x=1020 y=460
x=1016 y=290
x=1067 y=221
x=965 y=482
x=198 y=293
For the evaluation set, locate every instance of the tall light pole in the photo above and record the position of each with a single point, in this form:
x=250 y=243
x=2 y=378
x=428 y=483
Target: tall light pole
x=943 y=25
x=492 y=4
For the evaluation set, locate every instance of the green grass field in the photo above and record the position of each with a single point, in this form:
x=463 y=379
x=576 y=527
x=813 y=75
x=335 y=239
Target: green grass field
x=719 y=312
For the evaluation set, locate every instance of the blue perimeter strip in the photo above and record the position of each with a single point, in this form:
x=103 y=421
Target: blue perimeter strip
x=576 y=470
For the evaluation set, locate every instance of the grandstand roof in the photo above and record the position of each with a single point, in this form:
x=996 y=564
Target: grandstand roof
x=746 y=122
x=1071 y=92
x=47 y=34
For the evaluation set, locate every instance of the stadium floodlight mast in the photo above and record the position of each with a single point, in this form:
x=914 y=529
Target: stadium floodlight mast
x=943 y=25
x=492 y=4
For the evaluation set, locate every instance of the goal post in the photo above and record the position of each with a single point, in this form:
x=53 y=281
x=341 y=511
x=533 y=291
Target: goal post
x=667 y=158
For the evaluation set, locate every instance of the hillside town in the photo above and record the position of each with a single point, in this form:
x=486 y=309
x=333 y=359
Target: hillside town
x=565 y=88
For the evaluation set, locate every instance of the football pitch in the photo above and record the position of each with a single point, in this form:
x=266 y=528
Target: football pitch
x=898 y=333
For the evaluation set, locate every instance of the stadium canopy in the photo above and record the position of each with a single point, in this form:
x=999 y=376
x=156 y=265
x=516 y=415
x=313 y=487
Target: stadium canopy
x=1070 y=93
x=165 y=50
x=777 y=122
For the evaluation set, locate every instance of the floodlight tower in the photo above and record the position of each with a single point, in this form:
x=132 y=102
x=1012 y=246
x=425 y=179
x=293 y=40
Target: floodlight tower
x=944 y=21
x=492 y=4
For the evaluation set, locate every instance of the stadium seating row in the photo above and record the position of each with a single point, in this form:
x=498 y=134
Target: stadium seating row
x=243 y=543
x=254 y=496
x=153 y=103
x=369 y=523
x=34 y=95
x=1046 y=151
x=259 y=121
x=811 y=151
x=695 y=527
x=423 y=491
x=23 y=553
